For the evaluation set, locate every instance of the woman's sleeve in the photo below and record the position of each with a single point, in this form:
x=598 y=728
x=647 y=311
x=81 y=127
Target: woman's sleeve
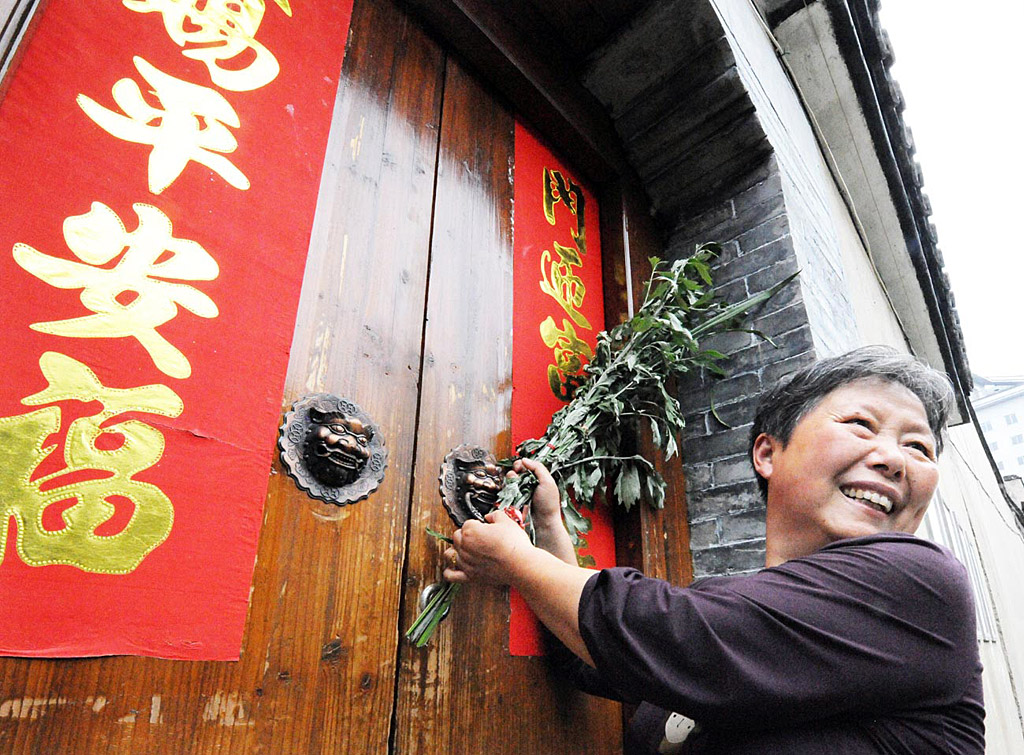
x=567 y=664
x=852 y=629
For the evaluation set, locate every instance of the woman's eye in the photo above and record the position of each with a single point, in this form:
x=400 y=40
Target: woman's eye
x=924 y=448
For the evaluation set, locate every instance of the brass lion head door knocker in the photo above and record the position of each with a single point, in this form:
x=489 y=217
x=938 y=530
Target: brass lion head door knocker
x=332 y=449
x=470 y=482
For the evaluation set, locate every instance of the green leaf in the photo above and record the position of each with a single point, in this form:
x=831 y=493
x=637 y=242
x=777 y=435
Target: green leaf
x=422 y=629
x=714 y=368
x=742 y=307
x=640 y=324
x=702 y=270
x=439 y=536
x=660 y=291
x=655 y=433
x=575 y=522
x=627 y=487
x=655 y=490
x=670 y=446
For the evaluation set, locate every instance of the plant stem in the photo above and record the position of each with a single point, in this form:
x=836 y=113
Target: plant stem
x=423 y=628
x=577 y=462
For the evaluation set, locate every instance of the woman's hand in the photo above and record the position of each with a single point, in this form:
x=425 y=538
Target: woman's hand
x=546 y=510
x=546 y=506
x=487 y=552
x=499 y=552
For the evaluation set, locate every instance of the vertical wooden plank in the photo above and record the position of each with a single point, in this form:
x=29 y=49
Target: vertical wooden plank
x=337 y=584
x=656 y=542
x=617 y=275
x=451 y=693
x=319 y=655
x=664 y=534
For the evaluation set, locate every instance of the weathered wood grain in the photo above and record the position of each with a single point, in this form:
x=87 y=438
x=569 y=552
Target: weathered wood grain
x=463 y=692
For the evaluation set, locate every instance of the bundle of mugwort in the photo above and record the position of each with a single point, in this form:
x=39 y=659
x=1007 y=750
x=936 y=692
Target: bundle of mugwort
x=626 y=382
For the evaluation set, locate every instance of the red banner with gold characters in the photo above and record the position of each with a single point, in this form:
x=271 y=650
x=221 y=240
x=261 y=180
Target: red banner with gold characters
x=558 y=310
x=159 y=168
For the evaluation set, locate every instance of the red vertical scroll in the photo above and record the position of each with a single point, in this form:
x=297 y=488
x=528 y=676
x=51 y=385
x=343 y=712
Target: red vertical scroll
x=558 y=309
x=159 y=169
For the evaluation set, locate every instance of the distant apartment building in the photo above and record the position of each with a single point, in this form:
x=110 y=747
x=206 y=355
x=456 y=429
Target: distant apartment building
x=999 y=404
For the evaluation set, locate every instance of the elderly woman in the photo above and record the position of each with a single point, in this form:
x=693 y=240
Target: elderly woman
x=857 y=637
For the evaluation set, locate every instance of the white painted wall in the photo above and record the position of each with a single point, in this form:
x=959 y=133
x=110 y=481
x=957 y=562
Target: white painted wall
x=968 y=488
x=805 y=183
x=813 y=55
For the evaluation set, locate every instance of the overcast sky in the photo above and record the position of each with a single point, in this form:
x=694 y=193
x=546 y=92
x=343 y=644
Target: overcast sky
x=960 y=67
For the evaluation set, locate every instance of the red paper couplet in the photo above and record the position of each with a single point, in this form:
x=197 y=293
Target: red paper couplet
x=159 y=169
x=558 y=310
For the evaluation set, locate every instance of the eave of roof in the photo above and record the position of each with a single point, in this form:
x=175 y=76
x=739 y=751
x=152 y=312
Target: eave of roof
x=876 y=55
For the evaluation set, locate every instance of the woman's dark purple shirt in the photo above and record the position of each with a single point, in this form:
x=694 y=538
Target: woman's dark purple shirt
x=867 y=646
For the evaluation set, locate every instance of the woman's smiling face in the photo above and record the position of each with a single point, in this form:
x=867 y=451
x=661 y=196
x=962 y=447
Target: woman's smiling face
x=862 y=461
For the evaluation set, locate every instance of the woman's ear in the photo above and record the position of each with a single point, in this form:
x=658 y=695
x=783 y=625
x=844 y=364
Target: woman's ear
x=763 y=454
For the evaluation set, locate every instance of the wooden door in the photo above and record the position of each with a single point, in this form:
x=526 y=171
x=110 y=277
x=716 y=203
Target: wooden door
x=406 y=309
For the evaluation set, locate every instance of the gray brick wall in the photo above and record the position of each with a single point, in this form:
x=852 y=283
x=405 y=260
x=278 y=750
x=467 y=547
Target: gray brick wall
x=806 y=182
x=671 y=85
x=725 y=507
x=695 y=111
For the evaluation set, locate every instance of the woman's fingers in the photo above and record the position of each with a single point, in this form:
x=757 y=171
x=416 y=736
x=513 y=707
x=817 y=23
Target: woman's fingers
x=454 y=575
x=539 y=470
x=453 y=571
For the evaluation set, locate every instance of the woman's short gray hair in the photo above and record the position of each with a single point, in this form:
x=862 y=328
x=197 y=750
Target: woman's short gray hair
x=782 y=407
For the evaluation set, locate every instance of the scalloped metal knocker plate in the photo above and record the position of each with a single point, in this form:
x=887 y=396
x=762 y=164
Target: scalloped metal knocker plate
x=332 y=449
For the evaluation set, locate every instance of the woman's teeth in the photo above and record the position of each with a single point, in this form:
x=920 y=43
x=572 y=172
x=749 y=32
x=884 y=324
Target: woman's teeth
x=881 y=502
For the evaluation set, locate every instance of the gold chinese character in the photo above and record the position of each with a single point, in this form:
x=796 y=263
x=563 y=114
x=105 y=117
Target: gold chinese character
x=215 y=31
x=189 y=124
x=561 y=283
x=96 y=479
x=557 y=189
x=129 y=299
x=566 y=374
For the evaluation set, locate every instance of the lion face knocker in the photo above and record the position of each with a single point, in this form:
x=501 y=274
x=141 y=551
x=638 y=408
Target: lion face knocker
x=332 y=449
x=338 y=447
x=470 y=482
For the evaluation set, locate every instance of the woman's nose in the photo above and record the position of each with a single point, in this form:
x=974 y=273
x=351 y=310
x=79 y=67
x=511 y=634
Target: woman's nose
x=888 y=458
